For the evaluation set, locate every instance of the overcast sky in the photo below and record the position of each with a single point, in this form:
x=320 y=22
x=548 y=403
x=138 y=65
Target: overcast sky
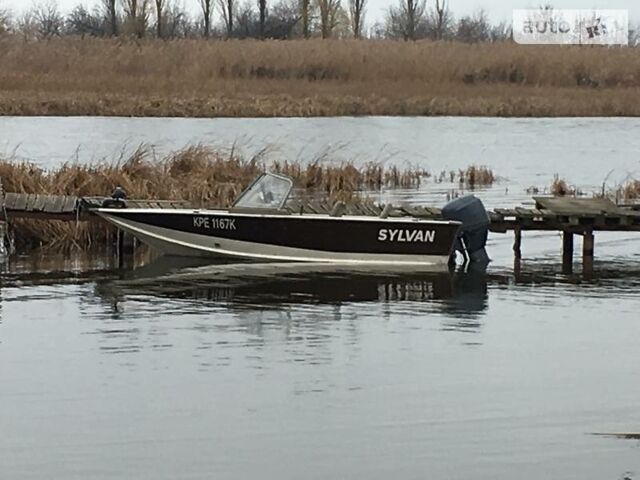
x=497 y=9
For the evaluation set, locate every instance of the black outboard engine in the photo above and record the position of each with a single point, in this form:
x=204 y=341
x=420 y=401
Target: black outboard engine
x=472 y=237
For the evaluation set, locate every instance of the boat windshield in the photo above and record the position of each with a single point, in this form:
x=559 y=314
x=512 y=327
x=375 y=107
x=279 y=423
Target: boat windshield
x=269 y=191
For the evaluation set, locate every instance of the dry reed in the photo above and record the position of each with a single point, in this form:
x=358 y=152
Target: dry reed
x=631 y=190
x=73 y=76
x=475 y=176
x=560 y=187
x=199 y=175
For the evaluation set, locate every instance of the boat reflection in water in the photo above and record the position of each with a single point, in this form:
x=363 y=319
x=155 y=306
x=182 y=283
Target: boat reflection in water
x=271 y=284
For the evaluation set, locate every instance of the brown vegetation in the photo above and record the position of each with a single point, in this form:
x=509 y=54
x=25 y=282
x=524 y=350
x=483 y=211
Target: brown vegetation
x=630 y=190
x=560 y=187
x=200 y=175
x=72 y=76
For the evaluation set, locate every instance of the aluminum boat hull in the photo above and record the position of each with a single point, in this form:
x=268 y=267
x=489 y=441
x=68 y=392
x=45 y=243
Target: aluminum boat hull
x=301 y=238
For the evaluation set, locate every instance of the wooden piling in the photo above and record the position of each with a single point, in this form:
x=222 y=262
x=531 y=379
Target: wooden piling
x=587 y=251
x=120 y=248
x=517 y=242
x=567 y=252
x=517 y=250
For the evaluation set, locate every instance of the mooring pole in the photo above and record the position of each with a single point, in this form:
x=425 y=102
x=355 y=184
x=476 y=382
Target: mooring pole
x=587 y=251
x=120 y=248
x=517 y=241
x=567 y=252
x=517 y=252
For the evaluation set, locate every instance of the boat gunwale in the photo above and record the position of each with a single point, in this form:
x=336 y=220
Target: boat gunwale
x=308 y=216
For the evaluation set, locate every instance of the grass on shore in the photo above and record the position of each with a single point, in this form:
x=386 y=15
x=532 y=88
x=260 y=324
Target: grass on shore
x=199 y=78
x=200 y=175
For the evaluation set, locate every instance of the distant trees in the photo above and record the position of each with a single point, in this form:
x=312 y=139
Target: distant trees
x=404 y=19
x=5 y=21
x=262 y=7
x=136 y=16
x=228 y=11
x=356 y=16
x=305 y=15
x=47 y=19
x=110 y=11
x=474 y=28
x=329 y=12
x=207 y=12
x=278 y=19
x=83 y=22
x=160 y=8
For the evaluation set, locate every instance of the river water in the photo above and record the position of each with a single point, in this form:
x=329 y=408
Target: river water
x=166 y=370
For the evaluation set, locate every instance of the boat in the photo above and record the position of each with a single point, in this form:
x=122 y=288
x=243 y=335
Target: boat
x=260 y=227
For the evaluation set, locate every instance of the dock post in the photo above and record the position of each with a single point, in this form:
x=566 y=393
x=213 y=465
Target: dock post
x=517 y=252
x=567 y=252
x=517 y=241
x=120 y=248
x=587 y=252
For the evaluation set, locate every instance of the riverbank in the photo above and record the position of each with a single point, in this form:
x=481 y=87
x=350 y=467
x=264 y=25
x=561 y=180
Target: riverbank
x=198 y=78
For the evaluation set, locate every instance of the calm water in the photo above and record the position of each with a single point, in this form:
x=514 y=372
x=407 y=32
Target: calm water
x=166 y=370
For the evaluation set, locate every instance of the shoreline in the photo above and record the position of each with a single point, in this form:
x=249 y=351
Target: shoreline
x=605 y=105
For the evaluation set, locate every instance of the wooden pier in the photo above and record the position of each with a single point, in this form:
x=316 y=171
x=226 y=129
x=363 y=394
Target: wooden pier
x=569 y=215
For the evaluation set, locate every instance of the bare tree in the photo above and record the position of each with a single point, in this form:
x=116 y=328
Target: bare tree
x=227 y=9
x=81 y=21
x=328 y=16
x=5 y=21
x=47 y=19
x=137 y=16
x=474 y=28
x=356 y=15
x=441 y=10
x=262 y=7
x=177 y=22
x=406 y=18
x=207 y=10
x=282 y=19
x=305 y=15
x=160 y=7
x=110 y=9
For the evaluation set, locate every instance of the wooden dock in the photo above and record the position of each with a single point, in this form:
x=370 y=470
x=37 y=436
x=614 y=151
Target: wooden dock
x=68 y=208
x=569 y=215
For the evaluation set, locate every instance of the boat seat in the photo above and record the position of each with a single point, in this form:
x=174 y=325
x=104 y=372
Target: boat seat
x=338 y=210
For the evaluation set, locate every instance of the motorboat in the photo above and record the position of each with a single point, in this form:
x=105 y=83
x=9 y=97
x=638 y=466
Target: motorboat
x=259 y=226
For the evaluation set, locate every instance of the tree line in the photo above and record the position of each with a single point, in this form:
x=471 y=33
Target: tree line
x=262 y=19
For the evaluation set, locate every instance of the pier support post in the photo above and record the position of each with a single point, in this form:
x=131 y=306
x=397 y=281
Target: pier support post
x=517 y=242
x=517 y=251
x=587 y=252
x=567 y=252
x=120 y=248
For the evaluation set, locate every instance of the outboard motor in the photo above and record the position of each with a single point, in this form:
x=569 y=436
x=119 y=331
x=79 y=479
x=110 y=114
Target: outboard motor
x=472 y=237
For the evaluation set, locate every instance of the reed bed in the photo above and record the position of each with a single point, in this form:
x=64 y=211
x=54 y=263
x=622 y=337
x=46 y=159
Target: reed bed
x=631 y=190
x=560 y=188
x=73 y=76
x=200 y=175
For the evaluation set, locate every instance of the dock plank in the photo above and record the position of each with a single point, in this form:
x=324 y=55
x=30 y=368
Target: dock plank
x=31 y=201
x=10 y=200
x=573 y=206
x=57 y=202
x=20 y=202
x=39 y=204
x=69 y=205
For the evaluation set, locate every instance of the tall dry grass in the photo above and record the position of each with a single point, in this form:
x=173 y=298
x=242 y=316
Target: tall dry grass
x=200 y=175
x=311 y=77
